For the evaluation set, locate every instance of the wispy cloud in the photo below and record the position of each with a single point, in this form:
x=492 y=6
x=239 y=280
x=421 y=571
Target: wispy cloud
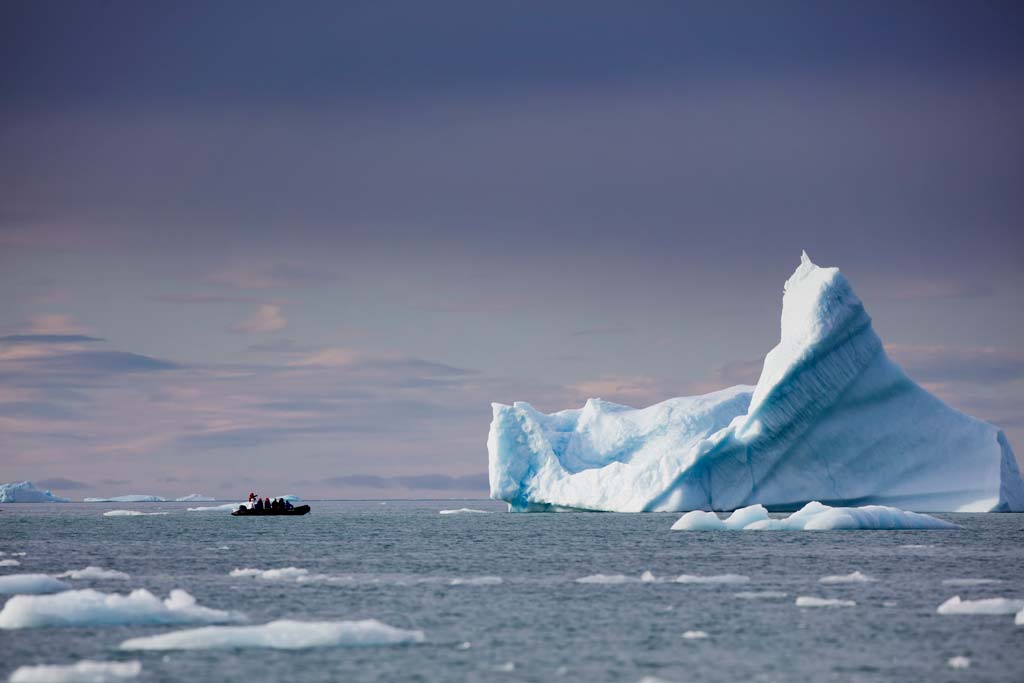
x=48 y=339
x=268 y=318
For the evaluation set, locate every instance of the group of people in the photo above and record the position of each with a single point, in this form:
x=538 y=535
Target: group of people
x=266 y=505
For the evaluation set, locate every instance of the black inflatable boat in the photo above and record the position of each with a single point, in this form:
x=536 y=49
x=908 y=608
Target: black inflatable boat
x=243 y=511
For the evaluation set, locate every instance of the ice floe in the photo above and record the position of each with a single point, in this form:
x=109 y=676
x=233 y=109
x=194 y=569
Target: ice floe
x=713 y=578
x=462 y=511
x=9 y=563
x=760 y=595
x=646 y=577
x=26 y=584
x=811 y=601
x=984 y=606
x=852 y=577
x=85 y=671
x=476 y=581
x=294 y=574
x=969 y=582
x=283 y=634
x=958 y=662
x=814 y=516
x=93 y=572
x=130 y=513
x=1019 y=619
x=694 y=635
x=93 y=608
x=210 y=508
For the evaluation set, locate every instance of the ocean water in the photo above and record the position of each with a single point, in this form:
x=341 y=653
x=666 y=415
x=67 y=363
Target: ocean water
x=398 y=560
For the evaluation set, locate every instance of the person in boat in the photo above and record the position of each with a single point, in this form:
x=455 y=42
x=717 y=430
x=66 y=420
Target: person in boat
x=258 y=505
x=288 y=504
x=266 y=504
x=275 y=505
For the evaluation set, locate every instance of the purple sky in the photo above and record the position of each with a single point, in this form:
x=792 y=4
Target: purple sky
x=254 y=245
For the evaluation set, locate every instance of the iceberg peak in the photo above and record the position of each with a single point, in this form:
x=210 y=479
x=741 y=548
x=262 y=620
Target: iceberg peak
x=832 y=418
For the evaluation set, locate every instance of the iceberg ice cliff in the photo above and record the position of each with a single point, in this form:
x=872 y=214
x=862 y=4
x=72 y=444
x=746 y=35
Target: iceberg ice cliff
x=26 y=492
x=831 y=419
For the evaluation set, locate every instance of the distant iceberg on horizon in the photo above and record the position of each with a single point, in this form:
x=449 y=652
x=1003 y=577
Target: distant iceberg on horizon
x=26 y=492
x=831 y=419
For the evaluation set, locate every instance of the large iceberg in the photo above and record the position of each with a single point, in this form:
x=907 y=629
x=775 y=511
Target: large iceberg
x=831 y=419
x=130 y=498
x=26 y=492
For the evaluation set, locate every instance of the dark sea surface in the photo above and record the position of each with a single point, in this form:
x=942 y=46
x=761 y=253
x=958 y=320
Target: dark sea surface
x=395 y=562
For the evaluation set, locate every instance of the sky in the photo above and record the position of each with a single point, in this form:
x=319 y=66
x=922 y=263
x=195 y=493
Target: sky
x=301 y=247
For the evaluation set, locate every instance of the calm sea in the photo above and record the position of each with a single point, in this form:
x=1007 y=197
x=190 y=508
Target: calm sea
x=398 y=561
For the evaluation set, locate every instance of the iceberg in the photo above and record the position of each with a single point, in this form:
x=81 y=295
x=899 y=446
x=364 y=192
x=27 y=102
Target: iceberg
x=24 y=584
x=831 y=419
x=283 y=634
x=811 y=601
x=984 y=606
x=130 y=498
x=130 y=513
x=85 y=671
x=26 y=492
x=814 y=516
x=195 y=498
x=92 y=608
x=95 y=573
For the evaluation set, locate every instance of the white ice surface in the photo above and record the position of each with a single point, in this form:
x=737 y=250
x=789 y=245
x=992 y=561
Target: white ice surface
x=195 y=498
x=26 y=492
x=984 y=606
x=959 y=662
x=811 y=601
x=294 y=574
x=760 y=595
x=969 y=582
x=85 y=671
x=280 y=635
x=9 y=563
x=695 y=635
x=130 y=513
x=130 y=498
x=93 y=572
x=852 y=577
x=93 y=608
x=1019 y=619
x=832 y=418
x=461 y=511
x=31 y=584
x=814 y=516
x=211 y=508
x=476 y=581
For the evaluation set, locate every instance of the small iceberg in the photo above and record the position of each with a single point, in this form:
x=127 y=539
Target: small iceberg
x=1019 y=619
x=93 y=608
x=646 y=577
x=852 y=577
x=280 y=635
x=130 y=513
x=810 y=601
x=476 y=581
x=130 y=498
x=283 y=574
x=714 y=578
x=969 y=582
x=195 y=498
x=760 y=595
x=985 y=606
x=211 y=508
x=27 y=584
x=26 y=492
x=958 y=662
x=92 y=572
x=462 y=511
x=9 y=563
x=85 y=671
x=695 y=635
x=814 y=516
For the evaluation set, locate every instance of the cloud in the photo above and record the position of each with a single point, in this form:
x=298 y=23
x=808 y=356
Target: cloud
x=268 y=318
x=54 y=324
x=204 y=298
x=61 y=484
x=279 y=346
x=427 y=482
x=39 y=410
x=943 y=364
x=271 y=276
x=329 y=357
x=105 y=362
x=48 y=339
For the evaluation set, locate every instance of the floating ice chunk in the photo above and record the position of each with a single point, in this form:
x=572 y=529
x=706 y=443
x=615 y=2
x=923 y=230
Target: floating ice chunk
x=831 y=418
x=606 y=578
x=93 y=608
x=210 y=508
x=26 y=492
x=283 y=634
x=959 y=662
x=462 y=511
x=476 y=581
x=699 y=520
x=130 y=513
x=1019 y=619
x=814 y=516
x=760 y=595
x=26 y=584
x=464 y=645
x=92 y=572
x=283 y=574
x=985 y=606
x=647 y=577
x=130 y=498
x=916 y=546
x=195 y=498
x=9 y=563
x=694 y=635
x=715 y=578
x=969 y=582
x=85 y=671
x=507 y=667
x=810 y=601
x=853 y=577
